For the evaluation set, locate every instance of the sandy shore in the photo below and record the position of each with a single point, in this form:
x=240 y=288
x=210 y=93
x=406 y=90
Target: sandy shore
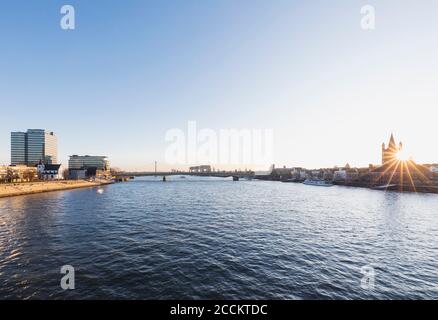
x=18 y=189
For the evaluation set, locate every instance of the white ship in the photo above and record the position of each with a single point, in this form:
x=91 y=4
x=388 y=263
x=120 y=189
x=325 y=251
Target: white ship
x=318 y=182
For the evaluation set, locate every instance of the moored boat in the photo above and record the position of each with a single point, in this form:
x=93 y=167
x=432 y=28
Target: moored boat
x=385 y=187
x=318 y=183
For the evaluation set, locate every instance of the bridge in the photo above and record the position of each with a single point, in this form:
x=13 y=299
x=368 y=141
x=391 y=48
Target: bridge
x=237 y=175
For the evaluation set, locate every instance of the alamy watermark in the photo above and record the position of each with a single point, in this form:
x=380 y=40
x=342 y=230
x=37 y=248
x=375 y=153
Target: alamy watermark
x=368 y=21
x=68 y=19
x=223 y=147
x=369 y=277
x=68 y=281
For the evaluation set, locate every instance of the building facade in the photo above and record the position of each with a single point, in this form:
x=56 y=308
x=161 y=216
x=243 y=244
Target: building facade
x=18 y=148
x=49 y=172
x=201 y=169
x=433 y=168
x=33 y=147
x=85 y=167
x=88 y=162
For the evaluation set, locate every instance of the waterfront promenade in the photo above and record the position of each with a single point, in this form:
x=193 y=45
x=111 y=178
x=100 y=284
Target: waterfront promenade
x=18 y=189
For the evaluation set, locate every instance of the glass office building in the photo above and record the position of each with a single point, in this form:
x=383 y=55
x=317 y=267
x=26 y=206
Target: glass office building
x=18 y=148
x=86 y=162
x=34 y=146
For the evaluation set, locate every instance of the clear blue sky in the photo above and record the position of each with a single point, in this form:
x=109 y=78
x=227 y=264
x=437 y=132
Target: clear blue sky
x=133 y=69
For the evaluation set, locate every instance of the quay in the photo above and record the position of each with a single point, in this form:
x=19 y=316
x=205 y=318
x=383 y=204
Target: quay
x=26 y=188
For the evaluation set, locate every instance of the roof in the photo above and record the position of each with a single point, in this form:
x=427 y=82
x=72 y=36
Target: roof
x=409 y=167
x=86 y=156
x=52 y=167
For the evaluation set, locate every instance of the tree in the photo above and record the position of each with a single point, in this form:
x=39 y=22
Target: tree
x=66 y=174
x=115 y=170
x=28 y=175
x=11 y=175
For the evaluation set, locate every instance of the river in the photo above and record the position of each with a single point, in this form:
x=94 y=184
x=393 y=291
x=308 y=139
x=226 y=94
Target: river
x=210 y=238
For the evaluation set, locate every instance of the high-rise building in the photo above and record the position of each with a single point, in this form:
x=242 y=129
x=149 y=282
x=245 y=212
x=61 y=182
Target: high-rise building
x=18 y=148
x=34 y=146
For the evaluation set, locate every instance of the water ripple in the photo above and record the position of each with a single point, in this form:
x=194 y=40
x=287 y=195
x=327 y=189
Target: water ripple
x=201 y=238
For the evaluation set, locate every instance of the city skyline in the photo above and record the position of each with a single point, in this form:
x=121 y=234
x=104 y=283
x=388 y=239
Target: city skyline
x=116 y=85
x=21 y=148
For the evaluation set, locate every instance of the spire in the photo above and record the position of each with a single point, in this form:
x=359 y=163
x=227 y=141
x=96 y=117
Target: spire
x=392 y=142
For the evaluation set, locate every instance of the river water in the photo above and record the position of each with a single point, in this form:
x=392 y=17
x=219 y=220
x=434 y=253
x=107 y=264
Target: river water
x=202 y=238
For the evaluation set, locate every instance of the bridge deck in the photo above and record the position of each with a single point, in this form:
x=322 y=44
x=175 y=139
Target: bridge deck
x=219 y=174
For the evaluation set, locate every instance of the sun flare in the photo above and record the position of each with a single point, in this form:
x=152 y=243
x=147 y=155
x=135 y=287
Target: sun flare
x=402 y=155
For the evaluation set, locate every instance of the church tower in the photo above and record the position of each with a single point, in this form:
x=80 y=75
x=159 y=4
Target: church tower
x=389 y=154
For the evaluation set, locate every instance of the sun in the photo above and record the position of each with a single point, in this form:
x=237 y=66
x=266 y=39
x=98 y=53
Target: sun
x=401 y=155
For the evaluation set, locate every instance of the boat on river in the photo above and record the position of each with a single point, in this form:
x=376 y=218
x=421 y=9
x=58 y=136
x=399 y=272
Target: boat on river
x=318 y=183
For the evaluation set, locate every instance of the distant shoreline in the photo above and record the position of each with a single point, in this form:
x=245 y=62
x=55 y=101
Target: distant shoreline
x=21 y=189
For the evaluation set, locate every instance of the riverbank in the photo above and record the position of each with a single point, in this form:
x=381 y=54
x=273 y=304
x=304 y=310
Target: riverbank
x=19 y=189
